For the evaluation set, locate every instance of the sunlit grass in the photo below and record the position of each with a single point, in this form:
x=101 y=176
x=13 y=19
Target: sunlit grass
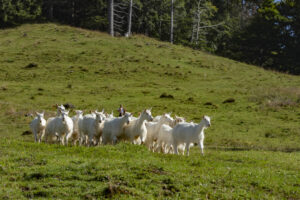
x=59 y=64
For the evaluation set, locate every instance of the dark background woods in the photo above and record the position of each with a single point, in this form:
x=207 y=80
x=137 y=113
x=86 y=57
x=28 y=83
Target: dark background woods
x=260 y=32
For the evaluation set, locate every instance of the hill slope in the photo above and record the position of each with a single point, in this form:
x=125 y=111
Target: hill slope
x=251 y=108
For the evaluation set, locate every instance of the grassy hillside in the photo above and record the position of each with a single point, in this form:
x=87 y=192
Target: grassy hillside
x=254 y=111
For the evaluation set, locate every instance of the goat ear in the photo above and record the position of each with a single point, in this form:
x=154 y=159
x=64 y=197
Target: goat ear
x=102 y=110
x=37 y=113
x=150 y=109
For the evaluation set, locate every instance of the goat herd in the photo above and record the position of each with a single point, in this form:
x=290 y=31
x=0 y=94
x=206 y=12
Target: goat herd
x=160 y=134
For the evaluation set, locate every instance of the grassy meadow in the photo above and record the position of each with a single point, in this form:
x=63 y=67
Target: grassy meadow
x=252 y=148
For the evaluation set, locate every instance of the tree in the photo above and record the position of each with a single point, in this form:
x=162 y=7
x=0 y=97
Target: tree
x=261 y=32
x=2 y=15
x=172 y=21
x=203 y=12
x=111 y=17
x=48 y=6
x=16 y=12
x=261 y=41
x=129 y=18
x=290 y=36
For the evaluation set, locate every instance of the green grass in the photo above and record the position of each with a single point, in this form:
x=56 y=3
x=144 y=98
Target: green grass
x=252 y=148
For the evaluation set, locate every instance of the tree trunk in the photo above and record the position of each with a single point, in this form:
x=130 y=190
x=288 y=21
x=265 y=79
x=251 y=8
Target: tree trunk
x=129 y=18
x=172 y=21
x=51 y=10
x=242 y=13
x=111 y=17
x=73 y=12
x=198 y=21
x=160 y=20
x=2 y=14
x=193 y=30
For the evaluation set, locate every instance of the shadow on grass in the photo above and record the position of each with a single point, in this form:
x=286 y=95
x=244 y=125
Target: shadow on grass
x=278 y=149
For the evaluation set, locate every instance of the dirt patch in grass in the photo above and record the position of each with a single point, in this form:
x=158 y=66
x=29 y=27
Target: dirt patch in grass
x=3 y=88
x=24 y=188
x=168 y=187
x=190 y=99
x=31 y=66
x=35 y=176
x=229 y=100
x=167 y=96
x=26 y=133
x=115 y=189
x=210 y=104
x=36 y=194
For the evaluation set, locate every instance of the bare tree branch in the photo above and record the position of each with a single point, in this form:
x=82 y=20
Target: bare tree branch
x=111 y=17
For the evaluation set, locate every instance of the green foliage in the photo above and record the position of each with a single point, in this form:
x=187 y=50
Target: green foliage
x=261 y=32
x=269 y=40
x=18 y=12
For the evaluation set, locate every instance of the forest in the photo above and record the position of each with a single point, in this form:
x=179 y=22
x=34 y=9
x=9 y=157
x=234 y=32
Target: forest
x=260 y=32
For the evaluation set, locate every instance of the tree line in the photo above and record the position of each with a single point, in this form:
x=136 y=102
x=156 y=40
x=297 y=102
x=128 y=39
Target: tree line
x=260 y=32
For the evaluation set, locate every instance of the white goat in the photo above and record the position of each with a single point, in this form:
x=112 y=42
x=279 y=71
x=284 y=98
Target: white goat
x=60 y=109
x=165 y=138
x=75 y=134
x=90 y=127
x=61 y=127
x=153 y=129
x=157 y=118
x=109 y=116
x=178 y=120
x=93 y=114
x=38 y=125
x=113 y=128
x=136 y=128
x=187 y=133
